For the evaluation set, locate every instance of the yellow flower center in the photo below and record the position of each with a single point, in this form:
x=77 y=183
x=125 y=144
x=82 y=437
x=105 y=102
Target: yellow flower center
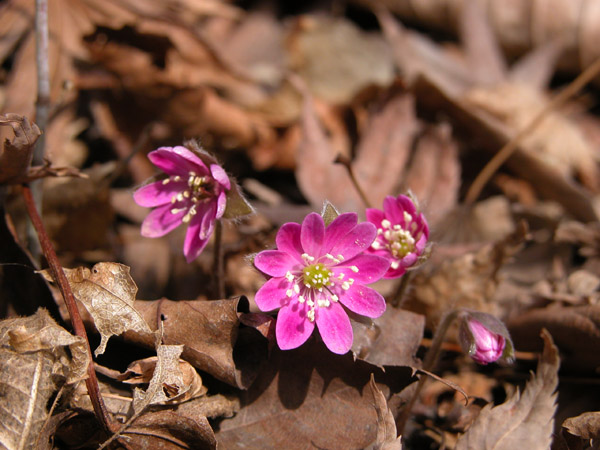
x=316 y=276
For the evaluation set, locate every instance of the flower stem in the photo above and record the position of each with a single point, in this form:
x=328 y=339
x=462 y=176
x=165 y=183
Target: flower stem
x=218 y=261
x=428 y=364
x=346 y=163
x=58 y=274
x=401 y=291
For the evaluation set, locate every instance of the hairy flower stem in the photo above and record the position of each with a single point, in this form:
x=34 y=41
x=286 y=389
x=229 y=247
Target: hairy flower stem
x=218 y=259
x=347 y=164
x=398 y=297
x=58 y=274
x=428 y=364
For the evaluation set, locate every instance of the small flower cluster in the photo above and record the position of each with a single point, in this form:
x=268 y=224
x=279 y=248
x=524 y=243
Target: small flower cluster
x=318 y=271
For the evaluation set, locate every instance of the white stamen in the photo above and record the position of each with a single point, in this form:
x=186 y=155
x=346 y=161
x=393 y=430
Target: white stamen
x=354 y=269
x=166 y=181
x=334 y=297
x=296 y=289
x=345 y=285
x=395 y=265
x=301 y=298
x=375 y=245
x=289 y=293
x=407 y=217
x=386 y=223
x=311 y=315
x=289 y=276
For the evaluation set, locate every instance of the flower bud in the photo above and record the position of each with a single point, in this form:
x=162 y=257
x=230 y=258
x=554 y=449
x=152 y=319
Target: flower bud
x=485 y=338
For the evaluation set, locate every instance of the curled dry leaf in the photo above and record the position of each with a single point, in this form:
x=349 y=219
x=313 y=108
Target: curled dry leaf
x=108 y=293
x=17 y=154
x=209 y=330
x=570 y=327
x=525 y=420
x=586 y=426
x=386 y=438
x=33 y=359
x=180 y=381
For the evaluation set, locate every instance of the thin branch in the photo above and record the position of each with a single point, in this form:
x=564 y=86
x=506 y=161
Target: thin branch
x=348 y=165
x=76 y=322
x=218 y=261
x=511 y=146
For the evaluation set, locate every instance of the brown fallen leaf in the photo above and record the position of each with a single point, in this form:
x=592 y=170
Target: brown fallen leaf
x=570 y=326
x=180 y=380
x=33 y=365
x=525 y=420
x=17 y=154
x=209 y=331
x=387 y=438
x=586 y=426
x=309 y=397
x=389 y=340
x=108 y=293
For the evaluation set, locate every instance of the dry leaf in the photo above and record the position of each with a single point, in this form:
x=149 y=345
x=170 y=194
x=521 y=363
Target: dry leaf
x=586 y=426
x=108 y=293
x=17 y=154
x=390 y=340
x=315 y=46
x=570 y=326
x=32 y=361
x=209 y=331
x=309 y=397
x=386 y=423
x=180 y=381
x=525 y=420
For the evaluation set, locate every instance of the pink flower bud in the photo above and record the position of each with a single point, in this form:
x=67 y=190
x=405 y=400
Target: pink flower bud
x=485 y=343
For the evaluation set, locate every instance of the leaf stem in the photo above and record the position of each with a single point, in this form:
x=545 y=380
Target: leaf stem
x=218 y=261
x=58 y=274
x=402 y=288
x=428 y=364
x=340 y=159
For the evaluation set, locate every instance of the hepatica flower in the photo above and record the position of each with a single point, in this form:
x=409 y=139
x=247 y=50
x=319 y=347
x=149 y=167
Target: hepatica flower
x=402 y=233
x=315 y=270
x=194 y=193
x=485 y=338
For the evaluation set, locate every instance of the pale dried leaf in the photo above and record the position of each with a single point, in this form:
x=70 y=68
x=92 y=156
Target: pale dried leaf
x=167 y=380
x=188 y=383
x=108 y=293
x=17 y=153
x=586 y=425
x=386 y=438
x=523 y=421
x=32 y=362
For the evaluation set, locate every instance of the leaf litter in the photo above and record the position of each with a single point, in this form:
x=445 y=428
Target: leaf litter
x=278 y=93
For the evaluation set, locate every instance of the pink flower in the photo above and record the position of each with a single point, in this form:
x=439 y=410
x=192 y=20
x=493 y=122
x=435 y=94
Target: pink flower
x=402 y=233
x=315 y=270
x=194 y=194
x=481 y=343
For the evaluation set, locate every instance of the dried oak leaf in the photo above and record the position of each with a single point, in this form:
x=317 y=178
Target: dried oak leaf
x=387 y=438
x=209 y=331
x=33 y=362
x=570 y=326
x=310 y=398
x=108 y=293
x=525 y=420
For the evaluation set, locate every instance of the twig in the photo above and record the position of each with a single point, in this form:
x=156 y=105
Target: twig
x=58 y=274
x=511 y=146
x=428 y=364
x=218 y=259
x=398 y=297
x=347 y=164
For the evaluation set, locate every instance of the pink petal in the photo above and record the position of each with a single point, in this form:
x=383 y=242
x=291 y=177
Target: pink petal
x=395 y=273
x=409 y=260
x=341 y=226
x=193 y=243
x=375 y=216
x=208 y=213
x=272 y=294
x=274 y=262
x=293 y=328
x=363 y=300
x=370 y=268
x=335 y=328
x=288 y=240
x=394 y=209
x=221 y=204
x=177 y=161
x=160 y=221
x=220 y=175
x=312 y=234
x=157 y=193
x=360 y=238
